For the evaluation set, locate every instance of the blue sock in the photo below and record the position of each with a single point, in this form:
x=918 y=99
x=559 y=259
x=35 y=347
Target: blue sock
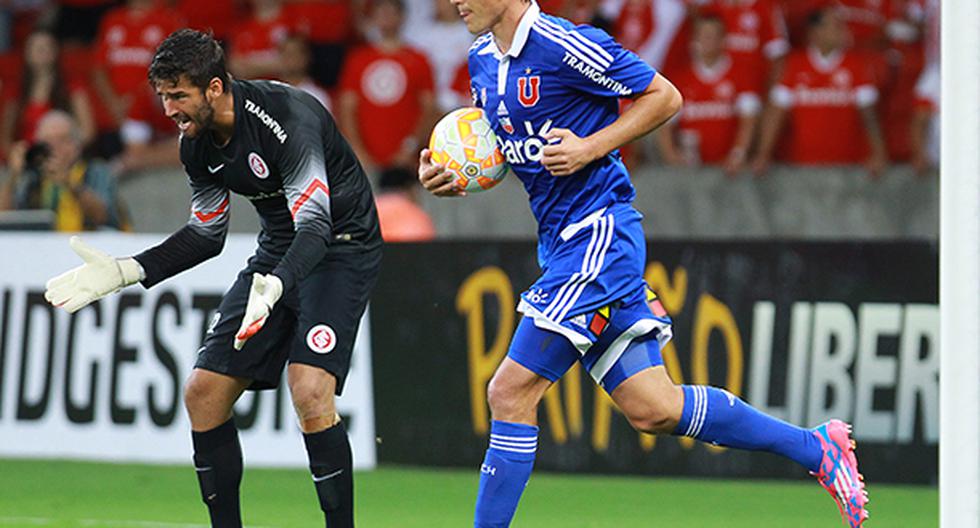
x=504 y=473
x=719 y=417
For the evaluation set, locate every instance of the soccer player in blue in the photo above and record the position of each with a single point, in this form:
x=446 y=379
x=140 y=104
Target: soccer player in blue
x=550 y=90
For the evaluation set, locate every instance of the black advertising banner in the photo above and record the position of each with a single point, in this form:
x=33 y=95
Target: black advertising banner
x=803 y=331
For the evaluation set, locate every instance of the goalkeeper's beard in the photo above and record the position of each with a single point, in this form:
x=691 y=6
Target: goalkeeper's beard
x=200 y=120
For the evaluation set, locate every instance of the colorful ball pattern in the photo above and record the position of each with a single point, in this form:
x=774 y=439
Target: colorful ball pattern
x=465 y=143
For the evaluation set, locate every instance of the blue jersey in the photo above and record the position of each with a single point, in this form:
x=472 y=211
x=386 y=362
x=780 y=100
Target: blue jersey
x=557 y=75
x=590 y=244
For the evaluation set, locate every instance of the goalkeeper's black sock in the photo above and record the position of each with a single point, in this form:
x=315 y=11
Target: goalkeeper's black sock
x=331 y=464
x=218 y=462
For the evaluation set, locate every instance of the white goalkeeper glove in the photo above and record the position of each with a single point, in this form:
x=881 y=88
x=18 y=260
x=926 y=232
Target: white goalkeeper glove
x=100 y=275
x=265 y=291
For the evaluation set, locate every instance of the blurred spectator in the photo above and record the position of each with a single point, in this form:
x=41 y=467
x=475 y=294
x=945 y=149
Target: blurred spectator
x=461 y=92
x=386 y=99
x=6 y=28
x=925 y=123
x=329 y=27
x=52 y=174
x=904 y=60
x=656 y=30
x=756 y=33
x=149 y=137
x=582 y=12
x=294 y=64
x=825 y=99
x=41 y=88
x=721 y=104
x=255 y=42
x=128 y=38
x=444 y=43
x=78 y=20
x=217 y=16
x=401 y=217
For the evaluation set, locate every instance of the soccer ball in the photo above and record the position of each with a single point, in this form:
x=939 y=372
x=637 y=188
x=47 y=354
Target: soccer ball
x=464 y=142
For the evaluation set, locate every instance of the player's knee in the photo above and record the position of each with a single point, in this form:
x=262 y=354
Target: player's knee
x=658 y=416
x=310 y=398
x=653 y=419
x=505 y=400
x=196 y=395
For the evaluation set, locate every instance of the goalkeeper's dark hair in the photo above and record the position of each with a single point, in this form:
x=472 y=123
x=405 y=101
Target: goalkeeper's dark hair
x=191 y=53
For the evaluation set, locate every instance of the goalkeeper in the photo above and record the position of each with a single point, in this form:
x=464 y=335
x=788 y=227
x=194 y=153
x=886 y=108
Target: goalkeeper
x=298 y=299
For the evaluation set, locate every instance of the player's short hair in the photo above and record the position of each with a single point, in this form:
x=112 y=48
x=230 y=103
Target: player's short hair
x=191 y=53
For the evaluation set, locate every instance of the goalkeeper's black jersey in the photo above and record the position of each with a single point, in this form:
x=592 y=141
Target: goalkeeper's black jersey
x=288 y=158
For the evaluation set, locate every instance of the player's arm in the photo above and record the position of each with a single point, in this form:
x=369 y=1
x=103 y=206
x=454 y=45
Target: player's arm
x=304 y=178
x=867 y=98
x=650 y=109
x=748 y=107
x=101 y=274
x=601 y=67
x=780 y=101
x=202 y=238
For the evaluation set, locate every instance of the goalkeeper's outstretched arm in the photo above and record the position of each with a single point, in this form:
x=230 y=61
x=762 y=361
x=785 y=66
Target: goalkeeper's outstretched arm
x=101 y=274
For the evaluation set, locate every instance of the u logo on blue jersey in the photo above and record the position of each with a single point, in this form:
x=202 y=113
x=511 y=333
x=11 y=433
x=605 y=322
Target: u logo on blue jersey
x=527 y=90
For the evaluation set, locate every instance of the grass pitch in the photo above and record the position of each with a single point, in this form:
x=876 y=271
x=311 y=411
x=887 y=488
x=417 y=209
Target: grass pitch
x=61 y=494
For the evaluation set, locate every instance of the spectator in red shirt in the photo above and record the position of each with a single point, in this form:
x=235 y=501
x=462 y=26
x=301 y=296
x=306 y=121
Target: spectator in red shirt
x=42 y=88
x=657 y=31
x=128 y=37
x=444 y=43
x=756 y=33
x=824 y=100
x=386 y=98
x=721 y=104
x=905 y=58
x=255 y=43
x=328 y=26
x=399 y=213
x=149 y=137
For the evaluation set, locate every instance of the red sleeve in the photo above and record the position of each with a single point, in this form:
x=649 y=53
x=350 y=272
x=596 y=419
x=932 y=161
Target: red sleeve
x=924 y=105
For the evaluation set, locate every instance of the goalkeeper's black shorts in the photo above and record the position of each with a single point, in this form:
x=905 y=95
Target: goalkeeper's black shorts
x=315 y=324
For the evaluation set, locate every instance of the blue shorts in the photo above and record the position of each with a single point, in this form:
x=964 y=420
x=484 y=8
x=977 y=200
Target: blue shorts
x=627 y=339
x=594 y=263
x=592 y=294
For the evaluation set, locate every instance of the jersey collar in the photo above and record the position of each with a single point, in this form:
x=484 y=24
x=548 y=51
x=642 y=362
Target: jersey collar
x=520 y=36
x=825 y=63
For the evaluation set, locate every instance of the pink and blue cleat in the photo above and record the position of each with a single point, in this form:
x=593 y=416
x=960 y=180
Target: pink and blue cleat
x=838 y=473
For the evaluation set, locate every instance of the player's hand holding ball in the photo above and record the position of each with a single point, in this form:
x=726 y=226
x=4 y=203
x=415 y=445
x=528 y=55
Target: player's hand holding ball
x=100 y=275
x=265 y=292
x=435 y=178
x=566 y=153
x=462 y=156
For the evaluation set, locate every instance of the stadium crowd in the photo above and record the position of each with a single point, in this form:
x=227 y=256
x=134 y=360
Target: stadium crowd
x=808 y=82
